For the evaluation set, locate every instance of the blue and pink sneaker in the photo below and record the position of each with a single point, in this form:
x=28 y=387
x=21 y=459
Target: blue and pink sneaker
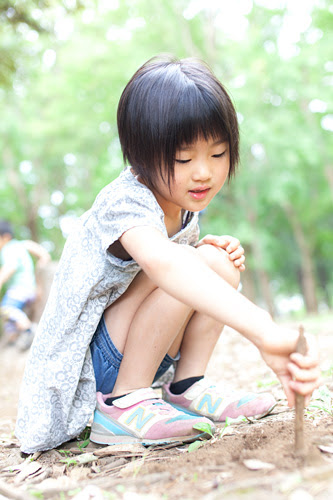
x=141 y=417
x=207 y=399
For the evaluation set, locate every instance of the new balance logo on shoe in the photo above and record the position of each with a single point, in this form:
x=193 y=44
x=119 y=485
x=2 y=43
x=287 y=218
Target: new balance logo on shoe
x=141 y=418
x=207 y=402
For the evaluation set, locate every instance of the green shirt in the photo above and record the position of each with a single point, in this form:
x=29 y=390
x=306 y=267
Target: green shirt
x=14 y=254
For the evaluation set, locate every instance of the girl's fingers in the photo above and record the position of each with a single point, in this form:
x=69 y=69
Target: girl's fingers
x=285 y=380
x=305 y=370
x=218 y=241
x=237 y=253
x=239 y=262
x=307 y=375
x=311 y=359
x=206 y=239
x=228 y=243
x=291 y=387
x=304 y=388
x=305 y=362
x=234 y=244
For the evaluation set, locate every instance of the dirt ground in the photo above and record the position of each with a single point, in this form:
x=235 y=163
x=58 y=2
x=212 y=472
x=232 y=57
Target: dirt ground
x=250 y=460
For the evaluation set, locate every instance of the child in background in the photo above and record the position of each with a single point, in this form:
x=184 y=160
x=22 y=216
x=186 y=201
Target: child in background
x=136 y=290
x=18 y=274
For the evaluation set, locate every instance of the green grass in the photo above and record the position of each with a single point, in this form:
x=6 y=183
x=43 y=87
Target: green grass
x=322 y=400
x=312 y=323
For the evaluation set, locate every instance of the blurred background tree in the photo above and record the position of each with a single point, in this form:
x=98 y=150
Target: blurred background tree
x=63 y=65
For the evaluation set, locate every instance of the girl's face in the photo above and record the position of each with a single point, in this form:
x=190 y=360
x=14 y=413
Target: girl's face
x=201 y=169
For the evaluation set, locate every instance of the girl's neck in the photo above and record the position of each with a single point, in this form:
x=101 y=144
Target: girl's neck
x=173 y=214
x=173 y=224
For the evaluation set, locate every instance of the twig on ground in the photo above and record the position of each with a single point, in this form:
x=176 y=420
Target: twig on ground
x=299 y=404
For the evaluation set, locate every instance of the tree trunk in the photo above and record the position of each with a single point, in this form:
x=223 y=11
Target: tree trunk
x=263 y=279
x=324 y=284
x=261 y=273
x=329 y=176
x=248 y=284
x=307 y=269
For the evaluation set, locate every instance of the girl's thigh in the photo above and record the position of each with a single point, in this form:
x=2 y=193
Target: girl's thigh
x=119 y=316
x=106 y=359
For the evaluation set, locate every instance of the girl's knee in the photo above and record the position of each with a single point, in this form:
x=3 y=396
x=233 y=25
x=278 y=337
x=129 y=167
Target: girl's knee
x=218 y=260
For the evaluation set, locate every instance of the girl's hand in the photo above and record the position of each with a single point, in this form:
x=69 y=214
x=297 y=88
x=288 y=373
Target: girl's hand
x=304 y=370
x=297 y=373
x=230 y=244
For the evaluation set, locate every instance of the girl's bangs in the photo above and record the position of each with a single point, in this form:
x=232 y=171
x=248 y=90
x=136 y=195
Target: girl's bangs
x=198 y=117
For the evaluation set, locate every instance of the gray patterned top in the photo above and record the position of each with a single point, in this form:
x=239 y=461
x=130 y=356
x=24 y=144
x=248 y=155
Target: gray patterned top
x=58 y=391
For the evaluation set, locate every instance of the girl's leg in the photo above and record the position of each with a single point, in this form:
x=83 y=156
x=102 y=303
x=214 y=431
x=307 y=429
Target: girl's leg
x=153 y=328
x=197 y=346
x=146 y=323
x=202 y=332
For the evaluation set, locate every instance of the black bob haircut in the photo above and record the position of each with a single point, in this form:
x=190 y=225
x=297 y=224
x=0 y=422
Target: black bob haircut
x=169 y=103
x=6 y=228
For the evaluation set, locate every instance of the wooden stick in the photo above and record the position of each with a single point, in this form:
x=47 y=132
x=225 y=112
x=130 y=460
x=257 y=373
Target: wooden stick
x=301 y=347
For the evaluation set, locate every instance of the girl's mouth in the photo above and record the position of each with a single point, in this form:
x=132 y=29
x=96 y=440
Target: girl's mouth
x=199 y=194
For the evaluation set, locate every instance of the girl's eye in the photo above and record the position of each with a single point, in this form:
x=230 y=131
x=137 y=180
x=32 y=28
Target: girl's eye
x=182 y=161
x=219 y=155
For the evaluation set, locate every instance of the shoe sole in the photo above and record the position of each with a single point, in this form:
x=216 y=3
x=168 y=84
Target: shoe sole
x=114 y=440
x=101 y=435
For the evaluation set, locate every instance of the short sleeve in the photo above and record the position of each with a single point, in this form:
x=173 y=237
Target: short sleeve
x=120 y=206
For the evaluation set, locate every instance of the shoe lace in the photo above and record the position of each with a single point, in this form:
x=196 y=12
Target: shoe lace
x=162 y=407
x=218 y=389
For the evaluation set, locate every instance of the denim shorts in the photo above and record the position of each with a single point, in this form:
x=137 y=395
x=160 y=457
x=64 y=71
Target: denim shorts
x=106 y=359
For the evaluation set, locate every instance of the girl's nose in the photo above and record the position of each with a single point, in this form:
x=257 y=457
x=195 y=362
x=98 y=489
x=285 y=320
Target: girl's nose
x=201 y=171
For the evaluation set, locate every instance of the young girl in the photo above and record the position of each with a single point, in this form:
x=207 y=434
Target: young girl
x=136 y=290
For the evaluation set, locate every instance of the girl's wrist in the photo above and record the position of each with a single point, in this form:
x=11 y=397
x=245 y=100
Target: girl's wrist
x=279 y=340
x=264 y=331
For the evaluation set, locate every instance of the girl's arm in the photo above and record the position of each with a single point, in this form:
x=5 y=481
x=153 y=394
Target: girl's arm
x=181 y=272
